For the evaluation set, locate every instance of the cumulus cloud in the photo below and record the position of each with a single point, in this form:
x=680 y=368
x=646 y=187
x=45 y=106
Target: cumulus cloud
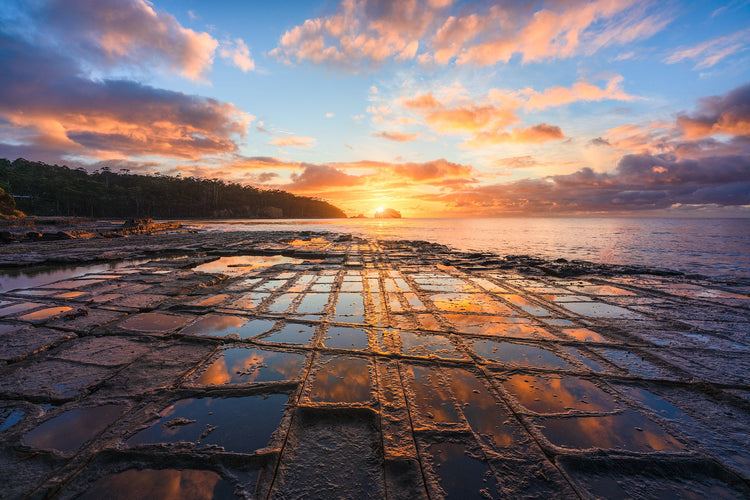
x=487 y=119
x=440 y=170
x=364 y=32
x=239 y=54
x=315 y=177
x=130 y=32
x=360 y=32
x=47 y=102
x=728 y=114
x=484 y=122
x=640 y=182
x=581 y=91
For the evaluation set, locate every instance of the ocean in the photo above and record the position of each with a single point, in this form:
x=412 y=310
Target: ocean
x=719 y=248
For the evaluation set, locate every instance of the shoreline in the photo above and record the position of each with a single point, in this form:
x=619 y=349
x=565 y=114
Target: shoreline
x=278 y=364
x=102 y=244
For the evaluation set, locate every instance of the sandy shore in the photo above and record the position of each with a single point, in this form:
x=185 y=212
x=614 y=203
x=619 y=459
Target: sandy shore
x=281 y=365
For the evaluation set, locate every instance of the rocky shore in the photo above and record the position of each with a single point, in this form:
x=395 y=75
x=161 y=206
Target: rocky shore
x=276 y=365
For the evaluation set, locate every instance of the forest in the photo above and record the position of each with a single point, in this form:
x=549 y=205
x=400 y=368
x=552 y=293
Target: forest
x=42 y=189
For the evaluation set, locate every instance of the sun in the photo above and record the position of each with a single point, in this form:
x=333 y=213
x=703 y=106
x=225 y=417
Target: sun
x=379 y=209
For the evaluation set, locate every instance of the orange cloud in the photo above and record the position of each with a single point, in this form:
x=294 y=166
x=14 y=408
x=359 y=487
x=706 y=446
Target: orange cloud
x=293 y=141
x=239 y=54
x=534 y=134
x=364 y=32
x=711 y=52
x=486 y=123
x=132 y=33
x=728 y=114
x=396 y=136
x=360 y=32
x=46 y=104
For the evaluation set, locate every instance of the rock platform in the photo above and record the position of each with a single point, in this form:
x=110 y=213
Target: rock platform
x=278 y=365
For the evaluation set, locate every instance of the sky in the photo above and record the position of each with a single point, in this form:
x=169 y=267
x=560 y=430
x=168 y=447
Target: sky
x=436 y=108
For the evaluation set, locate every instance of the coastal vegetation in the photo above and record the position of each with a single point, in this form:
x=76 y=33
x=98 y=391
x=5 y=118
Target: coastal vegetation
x=42 y=189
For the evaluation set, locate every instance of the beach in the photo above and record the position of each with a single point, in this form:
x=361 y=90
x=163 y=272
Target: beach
x=276 y=364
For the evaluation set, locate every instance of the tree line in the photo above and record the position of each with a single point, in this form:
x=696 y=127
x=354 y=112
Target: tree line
x=42 y=189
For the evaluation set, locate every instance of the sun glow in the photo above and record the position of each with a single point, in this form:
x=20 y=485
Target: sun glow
x=379 y=210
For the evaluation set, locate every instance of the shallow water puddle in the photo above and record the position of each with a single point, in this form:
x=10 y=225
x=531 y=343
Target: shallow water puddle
x=244 y=264
x=431 y=397
x=292 y=333
x=341 y=337
x=250 y=301
x=352 y=286
x=154 y=322
x=492 y=423
x=10 y=416
x=66 y=433
x=342 y=380
x=629 y=431
x=657 y=404
x=566 y=298
x=211 y=301
x=75 y=284
x=633 y=363
x=697 y=292
x=219 y=325
x=586 y=360
x=35 y=293
x=244 y=366
x=17 y=308
x=558 y=394
x=526 y=305
x=584 y=335
x=427 y=322
x=518 y=354
x=165 y=484
x=469 y=302
x=605 y=290
x=281 y=303
x=45 y=314
x=216 y=325
x=460 y=475
x=601 y=310
x=271 y=285
x=350 y=304
x=443 y=284
x=303 y=281
x=237 y=424
x=483 y=325
x=414 y=301
x=423 y=344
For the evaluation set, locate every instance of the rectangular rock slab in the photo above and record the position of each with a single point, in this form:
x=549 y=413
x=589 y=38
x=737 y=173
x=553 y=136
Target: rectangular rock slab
x=158 y=369
x=331 y=454
x=50 y=378
x=104 y=351
x=20 y=344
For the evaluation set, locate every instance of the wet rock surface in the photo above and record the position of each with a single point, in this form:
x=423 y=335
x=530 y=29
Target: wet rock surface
x=279 y=365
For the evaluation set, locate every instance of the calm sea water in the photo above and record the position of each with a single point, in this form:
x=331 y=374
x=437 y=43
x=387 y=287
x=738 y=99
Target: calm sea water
x=713 y=247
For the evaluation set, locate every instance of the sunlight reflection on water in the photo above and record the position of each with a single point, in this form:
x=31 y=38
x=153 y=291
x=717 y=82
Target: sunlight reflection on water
x=714 y=247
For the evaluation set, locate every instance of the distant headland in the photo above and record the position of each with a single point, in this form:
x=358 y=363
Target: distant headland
x=387 y=213
x=51 y=190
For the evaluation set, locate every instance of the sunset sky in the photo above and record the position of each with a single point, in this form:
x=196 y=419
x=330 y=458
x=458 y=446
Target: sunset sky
x=434 y=107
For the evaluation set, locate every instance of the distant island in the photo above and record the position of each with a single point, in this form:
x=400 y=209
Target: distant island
x=387 y=213
x=51 y=190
